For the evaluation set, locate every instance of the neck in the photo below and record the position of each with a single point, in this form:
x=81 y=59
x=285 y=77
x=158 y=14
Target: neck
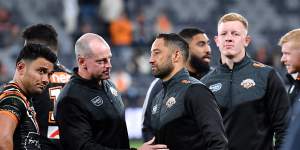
x=174 y=71
x=20 y=84
x=191 y=69
x=230 y=61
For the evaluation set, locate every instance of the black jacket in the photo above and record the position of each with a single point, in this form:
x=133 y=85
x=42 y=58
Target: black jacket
x=155 y=87
x=253 y=103
x=185 y=116
x=90 y=116
x=293 y=137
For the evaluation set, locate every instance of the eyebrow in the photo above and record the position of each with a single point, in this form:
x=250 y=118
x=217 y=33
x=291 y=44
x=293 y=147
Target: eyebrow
x=155 y=50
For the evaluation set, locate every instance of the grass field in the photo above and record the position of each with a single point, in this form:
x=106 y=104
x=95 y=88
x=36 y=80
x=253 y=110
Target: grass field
x=136 y=143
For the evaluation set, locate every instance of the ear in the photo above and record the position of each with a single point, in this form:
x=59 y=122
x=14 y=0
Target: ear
x=20 y=67
x=216 y=40
x=176 y=55
x=247 y=40
x=81 y=62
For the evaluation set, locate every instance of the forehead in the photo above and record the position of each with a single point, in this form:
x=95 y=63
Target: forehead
x=200 y=37
x=41 y=63
x=231 y=26
x=290 y=45
x=158 y=44
x=100 y=51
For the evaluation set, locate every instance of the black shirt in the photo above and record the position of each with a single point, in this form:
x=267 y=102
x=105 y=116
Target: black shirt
x=253 y=102
x=91 y=116
x=185 y=116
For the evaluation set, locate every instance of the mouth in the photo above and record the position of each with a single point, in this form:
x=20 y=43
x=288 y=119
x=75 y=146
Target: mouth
x=228 y=46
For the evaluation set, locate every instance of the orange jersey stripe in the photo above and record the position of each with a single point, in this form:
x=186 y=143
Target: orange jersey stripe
x=10 y=115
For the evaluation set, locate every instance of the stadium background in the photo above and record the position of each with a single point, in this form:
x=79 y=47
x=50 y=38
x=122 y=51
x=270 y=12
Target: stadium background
x=130 y=26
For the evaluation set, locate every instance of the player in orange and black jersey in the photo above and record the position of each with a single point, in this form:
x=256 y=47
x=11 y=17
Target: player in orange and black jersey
x=44 y=104
x=18 y=126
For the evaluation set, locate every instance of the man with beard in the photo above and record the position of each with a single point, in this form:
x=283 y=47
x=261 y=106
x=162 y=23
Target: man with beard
x=18 y=125
x=197 y=65
x=90 y=111
x=184 y=113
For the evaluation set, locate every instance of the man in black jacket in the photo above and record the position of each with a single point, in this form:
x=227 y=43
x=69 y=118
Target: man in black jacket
x=291 y=59
x=197 y=65
x=252 y=99
x=90 y=112
x=184 y=114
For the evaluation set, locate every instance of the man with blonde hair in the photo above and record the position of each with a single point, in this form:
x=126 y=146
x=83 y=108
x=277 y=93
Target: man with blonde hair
x=290 y=47
x=252 y=99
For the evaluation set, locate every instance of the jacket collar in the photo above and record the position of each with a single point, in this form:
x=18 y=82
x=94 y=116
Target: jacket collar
x=236 y=66
x=183 y=73
x=293 y=80
x=90 y=83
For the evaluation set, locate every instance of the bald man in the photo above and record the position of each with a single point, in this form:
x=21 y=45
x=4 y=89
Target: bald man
x=90 y=112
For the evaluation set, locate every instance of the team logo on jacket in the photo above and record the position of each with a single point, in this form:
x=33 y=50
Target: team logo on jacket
x=154 y=109
x=113 y=91
x=170 y=102
x=97 y=101
x=248 y=83
x=215 y=87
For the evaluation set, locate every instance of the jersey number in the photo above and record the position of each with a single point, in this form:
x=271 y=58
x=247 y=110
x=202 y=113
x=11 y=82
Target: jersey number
x=53 y=93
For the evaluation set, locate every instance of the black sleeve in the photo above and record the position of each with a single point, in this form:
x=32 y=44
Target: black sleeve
x=278 y=107
x=154 y=89
x=75 y=128
x=14 y=105
x=201 y=103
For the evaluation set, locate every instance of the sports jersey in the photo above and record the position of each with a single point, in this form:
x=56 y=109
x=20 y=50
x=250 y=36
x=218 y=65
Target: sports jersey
x=14 y=102
x=44 y=105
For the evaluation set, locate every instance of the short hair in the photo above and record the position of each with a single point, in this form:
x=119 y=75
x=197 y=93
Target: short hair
x=174 y=39
x=234 y=17
x=41 y=34
x=34 y=51
x=188 y=33
x=82 y=48
x=293 y=35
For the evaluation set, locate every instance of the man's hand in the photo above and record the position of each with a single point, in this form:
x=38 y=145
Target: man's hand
x=149 y=146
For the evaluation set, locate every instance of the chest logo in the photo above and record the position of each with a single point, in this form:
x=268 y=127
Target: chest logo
x=97 y=101
x=170 y=102
x=215 y=87
x=154 y=109
x=247 y=83
x=113 y=91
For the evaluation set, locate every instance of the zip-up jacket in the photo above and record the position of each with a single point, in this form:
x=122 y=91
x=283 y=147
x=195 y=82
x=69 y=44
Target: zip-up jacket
x=154 y=88
x=292 y=140
x=185 y=116
x=253 y=102
x=91 y=116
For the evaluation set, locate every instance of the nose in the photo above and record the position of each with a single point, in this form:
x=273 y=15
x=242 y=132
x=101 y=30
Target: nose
x=228 y=38
x=208 y=49
x=45 y=79
x=108 y=65
x=151 y=60
x=282 y=59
